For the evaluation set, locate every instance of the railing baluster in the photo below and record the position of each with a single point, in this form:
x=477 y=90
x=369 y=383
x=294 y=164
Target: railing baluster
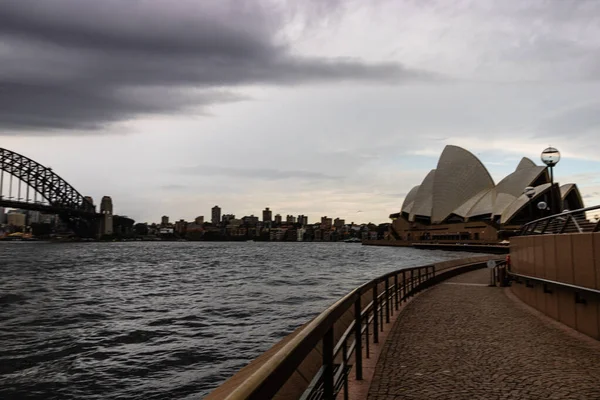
x=419 y=279
x=396 y=289
x=344 y=358
x=375 y=315
x=387 y=300
x=358 y=339
x=367 y=336
x=403 y=285
x=328 y=365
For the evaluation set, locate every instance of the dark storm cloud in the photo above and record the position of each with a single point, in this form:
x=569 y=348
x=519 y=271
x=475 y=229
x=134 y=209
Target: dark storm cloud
x=80 y=64
x=255 y=173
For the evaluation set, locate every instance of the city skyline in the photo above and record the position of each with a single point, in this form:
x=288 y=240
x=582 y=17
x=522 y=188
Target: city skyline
x=266 y=215
x=334 y=108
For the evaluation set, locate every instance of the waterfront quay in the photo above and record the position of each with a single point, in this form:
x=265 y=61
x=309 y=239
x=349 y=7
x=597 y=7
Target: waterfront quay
x=525 y=326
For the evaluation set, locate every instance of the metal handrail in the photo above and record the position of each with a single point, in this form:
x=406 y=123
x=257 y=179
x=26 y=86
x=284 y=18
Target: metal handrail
x=563 y=285
x=559 y=223
x=270 y=377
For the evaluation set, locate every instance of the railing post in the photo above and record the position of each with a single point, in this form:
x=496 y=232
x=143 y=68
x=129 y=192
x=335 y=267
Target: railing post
x=396 y=289
x=358 y=338
x=344 y=357
x=367 y=354
x=404 y=285
x=412 y=281
x=387 y=300
x=419 y=279
x=328 y=365
x=375 y=315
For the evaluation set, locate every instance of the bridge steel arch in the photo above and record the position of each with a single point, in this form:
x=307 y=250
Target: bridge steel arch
x=58 y=192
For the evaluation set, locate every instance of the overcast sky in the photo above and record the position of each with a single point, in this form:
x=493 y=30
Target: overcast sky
x=317 y=107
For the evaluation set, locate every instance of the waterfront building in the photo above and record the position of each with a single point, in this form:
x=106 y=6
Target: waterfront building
x=277 y=219
x=339 y=223
x=194 y=227
x=300 y=234
x=250 y=220
x=290 y=219
x=318 y=235
x=215 y=215
x=199 y=220
x=226 y=218
x=460 y=201
x=33 y=217
x=277 y=234
x=164 y=220
x=180 y=226
x=291 y=235
x=233 y=226
x=16 y=219
x=267 y=215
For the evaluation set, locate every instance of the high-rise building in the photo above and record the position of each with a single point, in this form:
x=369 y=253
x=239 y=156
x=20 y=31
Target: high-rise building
x=199 y=220
x=227 y=218
x=164 y=220
x=250 y=220
x=277 y=219
x=106 y=209
x=290 y=219
x=216 y=215
x=338 y=223
x=326 y=223
x=302 y=220
x=267 y=215
x=180 y=226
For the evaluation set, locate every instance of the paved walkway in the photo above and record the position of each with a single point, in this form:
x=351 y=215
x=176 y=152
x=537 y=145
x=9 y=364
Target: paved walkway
x=460 y=340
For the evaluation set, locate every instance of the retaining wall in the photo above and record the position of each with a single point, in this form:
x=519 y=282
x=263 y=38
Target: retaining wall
x=566 y=258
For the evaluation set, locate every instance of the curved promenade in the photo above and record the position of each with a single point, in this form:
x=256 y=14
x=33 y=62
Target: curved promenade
x=464 y=340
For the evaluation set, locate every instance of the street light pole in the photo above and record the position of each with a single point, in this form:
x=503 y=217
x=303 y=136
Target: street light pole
x=551 y=156
x=530 y=192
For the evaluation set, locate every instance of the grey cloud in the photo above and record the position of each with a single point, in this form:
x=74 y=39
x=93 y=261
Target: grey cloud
x=256 y=173
x=581 y=119
x=81 y=64
x=173 y=186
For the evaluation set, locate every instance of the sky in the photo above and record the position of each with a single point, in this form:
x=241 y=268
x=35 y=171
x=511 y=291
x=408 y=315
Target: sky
x=315 y=107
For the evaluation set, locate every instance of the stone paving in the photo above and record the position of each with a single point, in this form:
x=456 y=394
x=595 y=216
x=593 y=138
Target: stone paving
x=466 y=341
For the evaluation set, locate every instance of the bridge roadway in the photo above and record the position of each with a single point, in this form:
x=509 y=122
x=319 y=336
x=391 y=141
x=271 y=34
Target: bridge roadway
x=464 y=340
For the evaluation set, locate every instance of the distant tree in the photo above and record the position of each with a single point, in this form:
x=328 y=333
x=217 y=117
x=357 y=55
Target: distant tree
x=140 y=229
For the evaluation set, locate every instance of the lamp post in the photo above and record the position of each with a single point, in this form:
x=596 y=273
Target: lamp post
x=530 y=192
x=551 y=156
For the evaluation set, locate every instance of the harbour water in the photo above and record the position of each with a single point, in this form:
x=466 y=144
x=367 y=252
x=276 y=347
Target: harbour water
x=164 y=320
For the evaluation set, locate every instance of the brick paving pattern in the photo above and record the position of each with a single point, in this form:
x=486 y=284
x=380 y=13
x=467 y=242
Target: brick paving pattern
x=473 y=342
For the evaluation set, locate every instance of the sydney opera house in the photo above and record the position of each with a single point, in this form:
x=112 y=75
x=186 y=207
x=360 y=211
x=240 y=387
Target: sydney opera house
x=459 y=201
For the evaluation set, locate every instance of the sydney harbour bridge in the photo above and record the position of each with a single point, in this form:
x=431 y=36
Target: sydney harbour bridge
x=28 y=185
